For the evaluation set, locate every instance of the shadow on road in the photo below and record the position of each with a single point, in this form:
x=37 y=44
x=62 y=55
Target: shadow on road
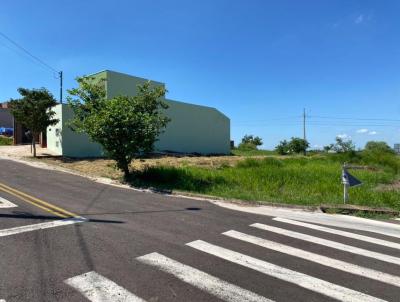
x=142 y=212
x=25 y=215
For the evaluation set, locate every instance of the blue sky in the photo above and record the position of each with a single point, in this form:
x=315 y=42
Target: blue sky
x=259 y=62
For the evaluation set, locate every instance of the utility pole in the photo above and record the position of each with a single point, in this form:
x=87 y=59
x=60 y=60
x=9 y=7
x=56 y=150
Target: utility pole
x=60 y=73
x=304 y=128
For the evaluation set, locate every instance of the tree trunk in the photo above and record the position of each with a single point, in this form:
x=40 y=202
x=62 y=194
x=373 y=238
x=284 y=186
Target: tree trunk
x=125 y=169
x=33 y=144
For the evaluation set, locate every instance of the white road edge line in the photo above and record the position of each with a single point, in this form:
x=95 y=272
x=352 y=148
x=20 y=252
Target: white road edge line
x=97 y=288
x=322 y=260
x=328 y=243
x=308 y=282
x=4 y=203
x=210 y=284
x=40 y=226
x=340 y=233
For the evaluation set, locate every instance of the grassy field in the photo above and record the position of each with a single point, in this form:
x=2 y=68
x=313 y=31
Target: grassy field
x=239 y=152
x=5 y=141
x=310 y=180
x=303 y=181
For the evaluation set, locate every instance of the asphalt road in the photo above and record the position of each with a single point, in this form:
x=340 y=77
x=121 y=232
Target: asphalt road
x=132 y=246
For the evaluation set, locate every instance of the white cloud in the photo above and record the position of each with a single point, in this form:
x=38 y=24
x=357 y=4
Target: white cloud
x=343 y=136
x=372 y=133
x=364 y=130
x=359 y=19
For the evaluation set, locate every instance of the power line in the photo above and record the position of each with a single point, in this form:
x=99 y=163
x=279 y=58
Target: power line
x=28 y=52
x=35 y=58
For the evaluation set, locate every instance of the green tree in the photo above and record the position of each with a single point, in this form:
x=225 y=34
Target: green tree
x=298 y=145
x=282 y=148
x=344 y=146
x=379 y=153
x=125 y=126
x=329 y=147
x=376 y=146
x=250 y=142
x=34 y=111
x=251 y=139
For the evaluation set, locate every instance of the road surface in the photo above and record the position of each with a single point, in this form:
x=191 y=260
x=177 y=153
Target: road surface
x=124 y=245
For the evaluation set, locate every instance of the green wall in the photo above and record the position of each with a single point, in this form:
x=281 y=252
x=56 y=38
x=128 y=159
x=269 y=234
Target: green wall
x=63 y=141
x=192 y=129
x=195 y=129
x=77 y=144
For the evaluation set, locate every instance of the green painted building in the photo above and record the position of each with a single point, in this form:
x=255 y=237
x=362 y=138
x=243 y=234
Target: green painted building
x=192 y=129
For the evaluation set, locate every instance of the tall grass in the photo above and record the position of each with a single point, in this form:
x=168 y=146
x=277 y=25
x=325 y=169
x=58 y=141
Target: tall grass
x=251 y=152
x=300 y=180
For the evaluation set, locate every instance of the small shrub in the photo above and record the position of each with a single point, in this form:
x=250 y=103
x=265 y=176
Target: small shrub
x=298 y=145
x=5 y=141
x=382 y=159
x=247 y=147
x=282 y=148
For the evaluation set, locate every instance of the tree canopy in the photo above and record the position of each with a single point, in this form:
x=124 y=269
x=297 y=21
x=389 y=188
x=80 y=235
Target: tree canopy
x=295 y=145
x=125 y=126
x=377 y=146
x=33 y=110
x=250 y=142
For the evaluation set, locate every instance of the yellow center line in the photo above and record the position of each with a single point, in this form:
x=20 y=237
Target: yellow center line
x=37 y=202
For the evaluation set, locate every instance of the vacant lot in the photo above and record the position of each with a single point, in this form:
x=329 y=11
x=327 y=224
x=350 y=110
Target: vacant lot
x=298 y=180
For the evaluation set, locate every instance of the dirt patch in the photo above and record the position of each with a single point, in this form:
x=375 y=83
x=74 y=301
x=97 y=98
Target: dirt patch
x=394 y=186
x=21 y=151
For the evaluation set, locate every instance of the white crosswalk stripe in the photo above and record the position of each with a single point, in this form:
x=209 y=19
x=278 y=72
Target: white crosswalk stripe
x=339 y=232
x=320 y=259
x=311 y=283
x=4 y=203
x=213 y=285
x=97 y=288
x=329 y=243
x=41 y=226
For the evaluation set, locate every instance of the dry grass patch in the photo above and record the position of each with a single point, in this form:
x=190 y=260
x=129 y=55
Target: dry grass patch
x=106 y=167
x=91 y=167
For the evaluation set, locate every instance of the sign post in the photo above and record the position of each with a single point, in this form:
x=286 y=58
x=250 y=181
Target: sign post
x=348 y=181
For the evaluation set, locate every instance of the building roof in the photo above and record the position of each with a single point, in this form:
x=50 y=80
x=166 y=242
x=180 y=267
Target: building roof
x=121 y=73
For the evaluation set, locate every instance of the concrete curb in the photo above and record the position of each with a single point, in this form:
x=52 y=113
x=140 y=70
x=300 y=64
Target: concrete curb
x=349 y=209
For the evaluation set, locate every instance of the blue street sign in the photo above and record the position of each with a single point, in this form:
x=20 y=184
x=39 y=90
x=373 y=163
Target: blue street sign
x=350 y=180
